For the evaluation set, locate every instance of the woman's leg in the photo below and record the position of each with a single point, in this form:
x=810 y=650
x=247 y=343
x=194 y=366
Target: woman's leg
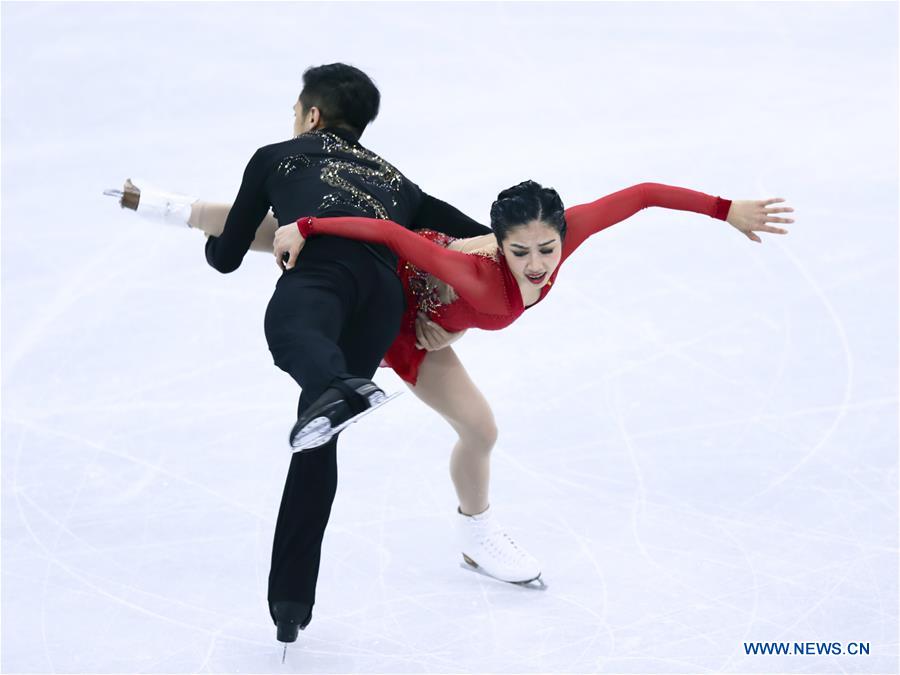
x=209 y=217
x=444 y=385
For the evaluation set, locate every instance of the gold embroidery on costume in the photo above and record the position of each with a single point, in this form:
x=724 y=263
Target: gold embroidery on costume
x=490 y=255
x=383 y=175
x=289 y=164
x=422 y=284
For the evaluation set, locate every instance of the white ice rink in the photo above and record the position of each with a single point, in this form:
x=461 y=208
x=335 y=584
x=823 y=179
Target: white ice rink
x=698 y=433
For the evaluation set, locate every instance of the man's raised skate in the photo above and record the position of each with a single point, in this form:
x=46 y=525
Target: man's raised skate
x=346 y=401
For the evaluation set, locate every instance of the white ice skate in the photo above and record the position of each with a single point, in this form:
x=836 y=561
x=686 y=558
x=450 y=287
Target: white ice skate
x=153 y=203
x=487 y=549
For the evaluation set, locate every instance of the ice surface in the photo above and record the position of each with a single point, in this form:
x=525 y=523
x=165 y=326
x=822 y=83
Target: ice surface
x=698 y=433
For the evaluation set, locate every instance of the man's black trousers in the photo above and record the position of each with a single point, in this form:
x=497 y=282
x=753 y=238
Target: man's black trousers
x=327 y=318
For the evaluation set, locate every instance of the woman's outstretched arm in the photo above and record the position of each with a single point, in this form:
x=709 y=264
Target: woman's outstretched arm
x=746 y=215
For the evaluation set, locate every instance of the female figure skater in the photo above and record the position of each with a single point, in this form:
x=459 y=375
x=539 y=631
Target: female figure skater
x=485 y=282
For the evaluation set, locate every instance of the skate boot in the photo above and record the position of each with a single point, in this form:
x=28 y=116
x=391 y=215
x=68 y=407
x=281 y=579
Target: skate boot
x=486 y=548
x=153 y=203
x=290 y=618
x=342 y=404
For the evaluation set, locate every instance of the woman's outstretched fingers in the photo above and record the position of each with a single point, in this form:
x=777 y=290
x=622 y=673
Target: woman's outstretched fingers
x=778 y=219
x=749 y=216
x=772 y=230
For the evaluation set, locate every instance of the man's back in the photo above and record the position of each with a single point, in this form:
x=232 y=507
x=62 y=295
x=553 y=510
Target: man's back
x=328 y=173
x=323 y=173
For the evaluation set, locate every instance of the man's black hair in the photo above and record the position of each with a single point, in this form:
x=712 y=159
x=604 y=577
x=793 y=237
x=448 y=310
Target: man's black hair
x=344 y=95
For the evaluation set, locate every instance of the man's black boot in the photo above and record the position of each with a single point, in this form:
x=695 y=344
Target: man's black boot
x=290 y=618
x=343 y=403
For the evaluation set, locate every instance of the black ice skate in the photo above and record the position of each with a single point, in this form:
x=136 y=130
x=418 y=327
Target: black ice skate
x=290 y=618
x=342 y=404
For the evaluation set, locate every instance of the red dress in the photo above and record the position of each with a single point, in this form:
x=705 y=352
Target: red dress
x=488 y=295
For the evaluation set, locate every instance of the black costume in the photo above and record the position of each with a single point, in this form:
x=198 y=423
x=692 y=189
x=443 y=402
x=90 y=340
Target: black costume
x=335 y=314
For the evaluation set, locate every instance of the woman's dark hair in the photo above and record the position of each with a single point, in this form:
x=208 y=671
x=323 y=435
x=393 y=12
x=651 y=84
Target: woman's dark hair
x=523 y=203
x=344 y=95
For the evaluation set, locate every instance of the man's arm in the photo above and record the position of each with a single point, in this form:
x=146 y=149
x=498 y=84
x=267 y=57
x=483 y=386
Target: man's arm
x=251 y=205
x=433 y=214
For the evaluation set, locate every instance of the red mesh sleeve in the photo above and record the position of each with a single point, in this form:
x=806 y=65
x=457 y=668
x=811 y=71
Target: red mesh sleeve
x=477 y=280
x=586 y=219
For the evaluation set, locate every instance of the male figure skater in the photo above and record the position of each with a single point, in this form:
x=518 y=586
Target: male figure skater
x=334 y=315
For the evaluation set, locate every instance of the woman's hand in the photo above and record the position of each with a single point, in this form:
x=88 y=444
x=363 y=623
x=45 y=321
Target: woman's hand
x=751 y=215
x=431 y=337
x=288 y=240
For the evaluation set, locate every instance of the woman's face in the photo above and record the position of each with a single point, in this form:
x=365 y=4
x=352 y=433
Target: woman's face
x=532 y=251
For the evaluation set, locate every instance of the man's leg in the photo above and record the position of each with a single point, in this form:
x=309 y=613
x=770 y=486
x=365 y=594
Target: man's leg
x=312 y=478
x=305 y=508
x=304 y=321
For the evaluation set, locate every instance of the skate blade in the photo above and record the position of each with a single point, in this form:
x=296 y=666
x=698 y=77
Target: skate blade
x=118 y=194
x=536 y=584
x=319 y=431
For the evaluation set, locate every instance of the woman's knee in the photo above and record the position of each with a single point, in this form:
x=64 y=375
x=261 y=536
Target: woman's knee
x=481 y=432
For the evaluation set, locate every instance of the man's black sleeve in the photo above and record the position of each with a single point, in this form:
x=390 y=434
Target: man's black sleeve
x=251 y=205
x=433 y=214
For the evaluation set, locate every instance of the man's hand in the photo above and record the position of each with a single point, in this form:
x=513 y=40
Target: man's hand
x=445 y=292
x=288 y=240
x=751 y=215
x=431 y=337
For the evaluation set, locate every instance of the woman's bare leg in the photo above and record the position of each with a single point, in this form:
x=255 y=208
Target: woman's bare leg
x=209 y=217
x=444 y=385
